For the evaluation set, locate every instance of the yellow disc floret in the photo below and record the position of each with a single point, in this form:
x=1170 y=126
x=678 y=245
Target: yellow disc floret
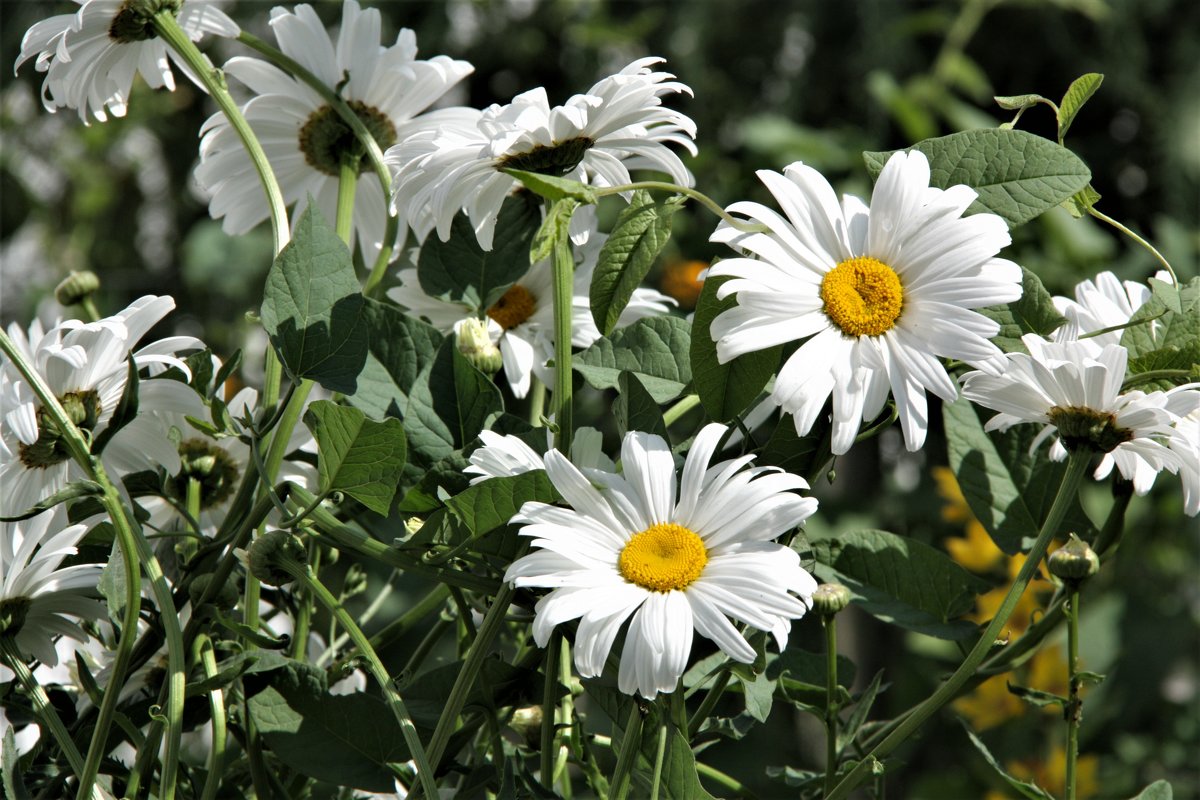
x=663 y=557
x=862 y=296
x=516 y=306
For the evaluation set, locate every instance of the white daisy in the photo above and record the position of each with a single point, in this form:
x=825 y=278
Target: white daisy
x=84 y=364
x=597 y=137
x=522 y=321
x=1104 y=303
x=91 y=57
x=38 y=600
x=1074 y=389
x=879 y=293
x=505 y=456
x=303 y=137
x=676 y=563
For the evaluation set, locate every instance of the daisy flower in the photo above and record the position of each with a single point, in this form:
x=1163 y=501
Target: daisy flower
x=91 y=57
x=596 y=137
x=1074 y=389
x=303 y=137
x=506 y=456
x=40 y=601
x=1106 y=302
x=522 y=321
x=675 y=562
x=85 y=365
x=880 y=293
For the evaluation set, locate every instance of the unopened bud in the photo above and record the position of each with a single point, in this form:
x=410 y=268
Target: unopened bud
x=76 y=287
x=1074 y=561
x=474 y=342
x=830 y=598
x=527 y=721
x=270 y=551
x=412 y=525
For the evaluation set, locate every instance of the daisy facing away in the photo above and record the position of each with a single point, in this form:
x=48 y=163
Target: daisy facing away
x=305 y=140
x=673 y=563
x=880 y=293
x=91 y=57
x=597 y=137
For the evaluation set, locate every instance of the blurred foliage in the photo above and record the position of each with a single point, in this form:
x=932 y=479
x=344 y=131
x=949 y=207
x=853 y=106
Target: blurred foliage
x=774 y=82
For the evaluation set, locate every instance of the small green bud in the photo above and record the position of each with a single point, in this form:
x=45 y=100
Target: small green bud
x=270 y=551
x=1074 y=561
x=830 y=598
x=474 y=342
x=76 y=287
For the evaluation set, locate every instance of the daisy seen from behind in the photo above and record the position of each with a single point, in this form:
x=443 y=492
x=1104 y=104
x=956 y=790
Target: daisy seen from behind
x=92 y=56
x=305 y=140
x=880 y=293
x=672 y=562
x=596 y=137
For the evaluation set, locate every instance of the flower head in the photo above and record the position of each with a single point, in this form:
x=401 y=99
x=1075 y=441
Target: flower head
x=1103 y=303
x=90 y=57
x=596 y=137
x=880 y=293
x=303 y=136
x=631 y=547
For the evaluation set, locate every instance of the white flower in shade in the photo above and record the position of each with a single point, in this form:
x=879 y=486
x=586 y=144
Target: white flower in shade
x=85 y=365
x=39 y=600
x=676 y=562
x=1106 y=302
x=91 y=57
x=506 y=456
x=1074 y=389
x=597 y=137
x=879 y=293
x=522 y=321
x=303 y=136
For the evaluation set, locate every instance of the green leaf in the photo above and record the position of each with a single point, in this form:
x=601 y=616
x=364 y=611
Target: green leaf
x=10 y=770
x=1078 y=93
x=1017 y=102
x=72 y=491
x=554 y=228
x=1009 y=489
x=554 y=188
x=348 y=740
x=1036 y=696
x=634 y=408
x=1019 y=176
x=902 y=581
x=492 y=503
x=112 y=585
x=1034 y=312
x=809 y=668
x=126 y=410
x=678 y=779
x=1159 y=790
x=1023 y=788
x=356 y=455
x=725 y=389
x=655 y=349
x=499 y=684
x=450 y=403
x=642 y=229
x=1168 y=294
x=313 y=309
x=792 y=452
x=1156 y=327
x=460 y=271
x=862 y=707
x=759 y=695
x=1078 y=204
x=400 y=347
x=445 y=474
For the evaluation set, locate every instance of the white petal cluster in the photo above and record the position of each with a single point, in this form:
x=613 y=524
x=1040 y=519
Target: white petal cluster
x=508 y=455
x=88 y=69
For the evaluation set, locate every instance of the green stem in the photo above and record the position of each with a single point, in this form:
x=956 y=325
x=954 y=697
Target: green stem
x=631 y=741
x=700 y=197
x=304 y=609
x=549 y=706
x=564 y=293
x=89 y=309
x=708 y=703
x=659 y=753
x=1153 y=251
x=1074 y=709
x=1154 y=375
x=216 y=703
x=11 y=657
x=537 y=401
x=305 y=574
x=347 y=186
x=728 y=781
x=570 y=733
x=399 y=627
x=681 y=407
x=831 y=704
x=1076 y=467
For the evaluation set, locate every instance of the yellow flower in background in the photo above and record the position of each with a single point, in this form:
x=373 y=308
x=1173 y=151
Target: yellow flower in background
x=990 y=704
x=681 y=280
x=1030 y=603
x=976 y=552
x=1051 y=773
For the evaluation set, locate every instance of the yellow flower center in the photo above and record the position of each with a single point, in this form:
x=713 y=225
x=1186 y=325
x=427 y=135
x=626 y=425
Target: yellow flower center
x=663 y=557
x=516 y=306
x=862 y=296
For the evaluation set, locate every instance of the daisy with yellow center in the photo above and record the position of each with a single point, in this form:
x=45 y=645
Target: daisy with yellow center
x=877 y=294
x=671 y=562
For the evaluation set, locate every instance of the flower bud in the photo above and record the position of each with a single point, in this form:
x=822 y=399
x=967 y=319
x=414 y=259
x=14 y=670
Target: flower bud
x=76 y=287
x=527 y=721
x=1074 y=561
x=270 y=551
x=474 y=342
x=830 y=598
x=412 y=525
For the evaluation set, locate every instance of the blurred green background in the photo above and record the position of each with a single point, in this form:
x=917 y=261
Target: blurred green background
x=774 y=82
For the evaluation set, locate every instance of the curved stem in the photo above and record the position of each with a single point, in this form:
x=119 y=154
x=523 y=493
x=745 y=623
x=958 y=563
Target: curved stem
x=564 y=293
x=1155 y=375
x=1076 y=467
x=681 y=407
x=631 y=741
x=11 y=657
x=728 y=781
x=700 y=197
x=1153 y=251
x=216 y=703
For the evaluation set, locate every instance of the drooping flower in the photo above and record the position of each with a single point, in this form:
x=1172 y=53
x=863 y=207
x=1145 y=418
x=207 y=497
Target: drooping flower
x=672 y=562
x=1106 y=302
x=303 y=136
x=879 y=293
x=522 y=321
x=506 y=456
x=85 y=365
x=39 y=600
x=91 y=57
x=1073 y=388
x=597 y=137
